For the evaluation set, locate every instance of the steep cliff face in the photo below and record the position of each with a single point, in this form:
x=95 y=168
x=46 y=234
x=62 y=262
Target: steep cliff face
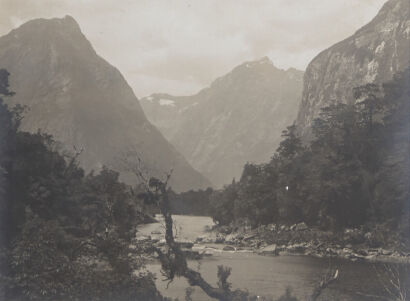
x=84 y=102
x=372 y=55
x=239 y=118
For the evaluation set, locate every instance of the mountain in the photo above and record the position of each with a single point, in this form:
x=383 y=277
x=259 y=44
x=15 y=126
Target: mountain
x=73 y=94
x=238 y=118
x=372 y=55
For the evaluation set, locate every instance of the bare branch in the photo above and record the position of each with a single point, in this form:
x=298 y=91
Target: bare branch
x=326 y=281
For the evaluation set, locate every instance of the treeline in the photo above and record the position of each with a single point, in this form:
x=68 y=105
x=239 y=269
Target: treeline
x=355 y=171
x=64 y=234
x=191 y=202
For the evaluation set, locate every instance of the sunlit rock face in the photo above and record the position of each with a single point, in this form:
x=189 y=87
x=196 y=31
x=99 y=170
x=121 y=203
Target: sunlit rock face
x=372 y=55
x=239 y=118
x=84 y=102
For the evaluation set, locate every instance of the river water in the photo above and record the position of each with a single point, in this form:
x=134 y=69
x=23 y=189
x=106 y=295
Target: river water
x=269 y=276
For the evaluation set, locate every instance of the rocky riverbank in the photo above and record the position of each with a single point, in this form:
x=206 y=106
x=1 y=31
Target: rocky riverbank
x=374 y=245
x=299 y=239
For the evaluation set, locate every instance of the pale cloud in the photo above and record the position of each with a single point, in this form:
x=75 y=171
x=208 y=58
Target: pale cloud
x=180 y=46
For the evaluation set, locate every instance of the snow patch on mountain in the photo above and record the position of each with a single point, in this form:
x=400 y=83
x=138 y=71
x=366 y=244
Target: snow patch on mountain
x=167 y=102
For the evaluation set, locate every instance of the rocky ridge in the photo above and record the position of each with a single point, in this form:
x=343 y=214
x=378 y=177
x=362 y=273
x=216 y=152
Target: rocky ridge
x=372 y=55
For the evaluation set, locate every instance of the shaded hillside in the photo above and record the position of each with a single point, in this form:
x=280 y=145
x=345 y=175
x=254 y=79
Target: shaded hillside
x=84 y=102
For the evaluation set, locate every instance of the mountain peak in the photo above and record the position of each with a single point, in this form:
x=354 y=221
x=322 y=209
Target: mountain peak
x=391 y=12
x=81 y=100
x=265 y=61
x=45 y=36
x=67 y=23
x=238 y=119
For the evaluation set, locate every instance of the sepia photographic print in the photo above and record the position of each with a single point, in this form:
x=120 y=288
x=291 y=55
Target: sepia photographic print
x=199 y=150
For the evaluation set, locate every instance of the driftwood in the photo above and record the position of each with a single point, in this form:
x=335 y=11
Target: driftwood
x=174 y=263
x=324 y=283
x=173 y=260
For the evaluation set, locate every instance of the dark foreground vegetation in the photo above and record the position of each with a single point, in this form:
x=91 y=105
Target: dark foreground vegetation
x=353 y=174
x=64 y=235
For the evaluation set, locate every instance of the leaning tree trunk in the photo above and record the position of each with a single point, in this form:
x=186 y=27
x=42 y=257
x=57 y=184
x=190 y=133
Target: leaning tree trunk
x=174 y=263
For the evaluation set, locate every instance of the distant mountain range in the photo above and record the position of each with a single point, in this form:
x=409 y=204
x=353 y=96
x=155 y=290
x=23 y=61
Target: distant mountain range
x=372 y=55
x=237 y=119
x=73 y=94
x=84 y=102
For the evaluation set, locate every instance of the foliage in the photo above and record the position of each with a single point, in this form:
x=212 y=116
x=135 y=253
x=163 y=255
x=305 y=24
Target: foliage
x=174 y=262
x=354 y=172
x=190 y=202
x=65 y=235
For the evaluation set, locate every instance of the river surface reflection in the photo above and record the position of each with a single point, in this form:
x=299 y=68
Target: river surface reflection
x=269 y=276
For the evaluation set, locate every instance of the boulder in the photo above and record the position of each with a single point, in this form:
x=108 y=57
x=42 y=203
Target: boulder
x=271 y=227
x=186 y=244
x=330 y=251
x=301 y=227
x=142 y=238
x=225 y=229
x=296 y=248
x=219 y=239
x=228 y=248
x=250 y=236
x=362 y=252
x=354 y=236
x=207 y=253
x=385 y=252
x=204 y=239
x=271 y=249
x=189 y=254
x=230 y=239
x=239 y=236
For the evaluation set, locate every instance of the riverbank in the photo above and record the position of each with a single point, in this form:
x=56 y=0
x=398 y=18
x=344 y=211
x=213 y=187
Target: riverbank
x=299 y=239
x=267 y=275
x=375 y=245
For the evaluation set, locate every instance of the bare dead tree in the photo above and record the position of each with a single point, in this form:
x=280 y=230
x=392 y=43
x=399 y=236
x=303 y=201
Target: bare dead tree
x=329 y=277
x=391 y=279
x=174 y=263
x=72 y=158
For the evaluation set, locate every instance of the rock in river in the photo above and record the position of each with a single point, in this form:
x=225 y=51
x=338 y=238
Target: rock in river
x=269 y=250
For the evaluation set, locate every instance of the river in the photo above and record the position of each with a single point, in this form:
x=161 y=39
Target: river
x=265 y=275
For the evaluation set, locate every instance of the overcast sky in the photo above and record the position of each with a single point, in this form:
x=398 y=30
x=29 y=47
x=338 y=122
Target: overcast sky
x=180 y=46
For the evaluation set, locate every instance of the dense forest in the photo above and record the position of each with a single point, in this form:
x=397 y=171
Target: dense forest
x=192 y=202
x=64 y=234
x=354 y=171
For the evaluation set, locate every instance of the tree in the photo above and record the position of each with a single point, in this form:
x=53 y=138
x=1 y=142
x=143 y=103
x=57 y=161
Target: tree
x=174 y=263
x=65 y=235
x=355 y=171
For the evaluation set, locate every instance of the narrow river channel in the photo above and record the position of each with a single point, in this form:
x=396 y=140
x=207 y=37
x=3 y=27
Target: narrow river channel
x=266 y=275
